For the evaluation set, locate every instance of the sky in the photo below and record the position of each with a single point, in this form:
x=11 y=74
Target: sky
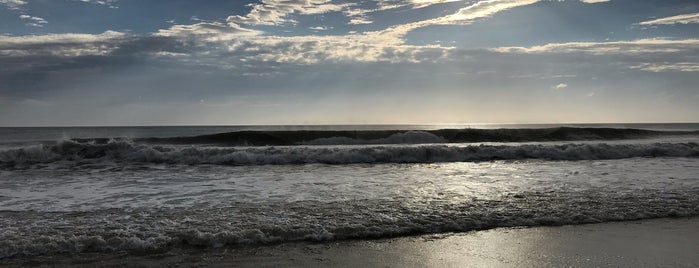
x=267 y=62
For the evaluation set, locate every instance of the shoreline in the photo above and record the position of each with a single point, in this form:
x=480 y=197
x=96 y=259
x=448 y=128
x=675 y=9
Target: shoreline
x=665 y=242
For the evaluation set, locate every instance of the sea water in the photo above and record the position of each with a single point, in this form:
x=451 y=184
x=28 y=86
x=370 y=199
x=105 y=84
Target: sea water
x=143 y=189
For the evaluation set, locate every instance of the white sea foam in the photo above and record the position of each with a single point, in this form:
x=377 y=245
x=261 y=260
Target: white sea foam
x=34 y=233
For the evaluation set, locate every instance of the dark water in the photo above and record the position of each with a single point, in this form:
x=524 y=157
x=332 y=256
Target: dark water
x=15 y=134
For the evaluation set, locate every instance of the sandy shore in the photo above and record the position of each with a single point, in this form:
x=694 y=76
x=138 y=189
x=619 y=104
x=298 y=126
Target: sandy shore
x=649 y=243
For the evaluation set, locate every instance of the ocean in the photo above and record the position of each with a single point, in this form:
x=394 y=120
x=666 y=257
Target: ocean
x=134 y=190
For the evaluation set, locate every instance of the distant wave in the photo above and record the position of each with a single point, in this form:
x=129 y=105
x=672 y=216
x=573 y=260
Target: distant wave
x=126 y=151
x=261 y=138
x=408 y=137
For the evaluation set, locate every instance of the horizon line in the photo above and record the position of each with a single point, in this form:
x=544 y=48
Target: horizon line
x=361 y=124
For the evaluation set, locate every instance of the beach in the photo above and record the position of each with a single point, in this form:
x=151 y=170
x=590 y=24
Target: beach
x=648 y=243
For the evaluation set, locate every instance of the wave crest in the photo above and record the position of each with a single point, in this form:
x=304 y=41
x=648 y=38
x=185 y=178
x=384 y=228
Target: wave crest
x=319 y=137
x=125 y=151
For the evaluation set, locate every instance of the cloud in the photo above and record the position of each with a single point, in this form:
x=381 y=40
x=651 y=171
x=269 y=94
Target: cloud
x=60 y=45
x=358 y=15
x=229 y=45
x=275 y=12
x=482 y=9
x=393 y=4
x=16 y=4
x=320 y=28
x=560 y=86
x=13 y=4
x=318 y=49
x=679 y=19
x=635 y=47
x=205 y=45
x=34 y=21
x=425 y=3
x=218 y=41
x=669 y=67
x=360 y=20
x=653 y=55
x=214 y=31
x=108 y=3
x=378 y=46
x=236 y=43
x=463 y=16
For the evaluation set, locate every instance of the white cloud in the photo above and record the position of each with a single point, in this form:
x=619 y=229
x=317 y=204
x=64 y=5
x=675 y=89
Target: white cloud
x=13 y=4
x=393 y=4
x=108 y=3
x=275 y=12
x=207 y=31
x=385 y=45
x=58 y=38
x=316 y=49
x=382 y=5
x=240 y=44
x=34 y=21
x=360 y=20
x=679 y=19
x=560 y=86
x=653 y=55
x=669 y=67
x=365 y=47
x=223 y=45
x=320 y=28
x=425 y=3
x=482 y=9
x=60 y=45
x=635 y=47
x=358 y=15
x=390 y=4
x=229 y=44
x=464 y=16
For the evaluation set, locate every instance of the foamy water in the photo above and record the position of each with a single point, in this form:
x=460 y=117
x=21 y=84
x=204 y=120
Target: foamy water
x=131 y=195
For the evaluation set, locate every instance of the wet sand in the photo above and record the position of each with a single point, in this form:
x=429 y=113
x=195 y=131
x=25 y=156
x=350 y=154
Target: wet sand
x=648 y=243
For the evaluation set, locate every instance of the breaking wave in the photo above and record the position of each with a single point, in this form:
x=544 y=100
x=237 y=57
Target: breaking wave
x=276 y=138
x=126 y=151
